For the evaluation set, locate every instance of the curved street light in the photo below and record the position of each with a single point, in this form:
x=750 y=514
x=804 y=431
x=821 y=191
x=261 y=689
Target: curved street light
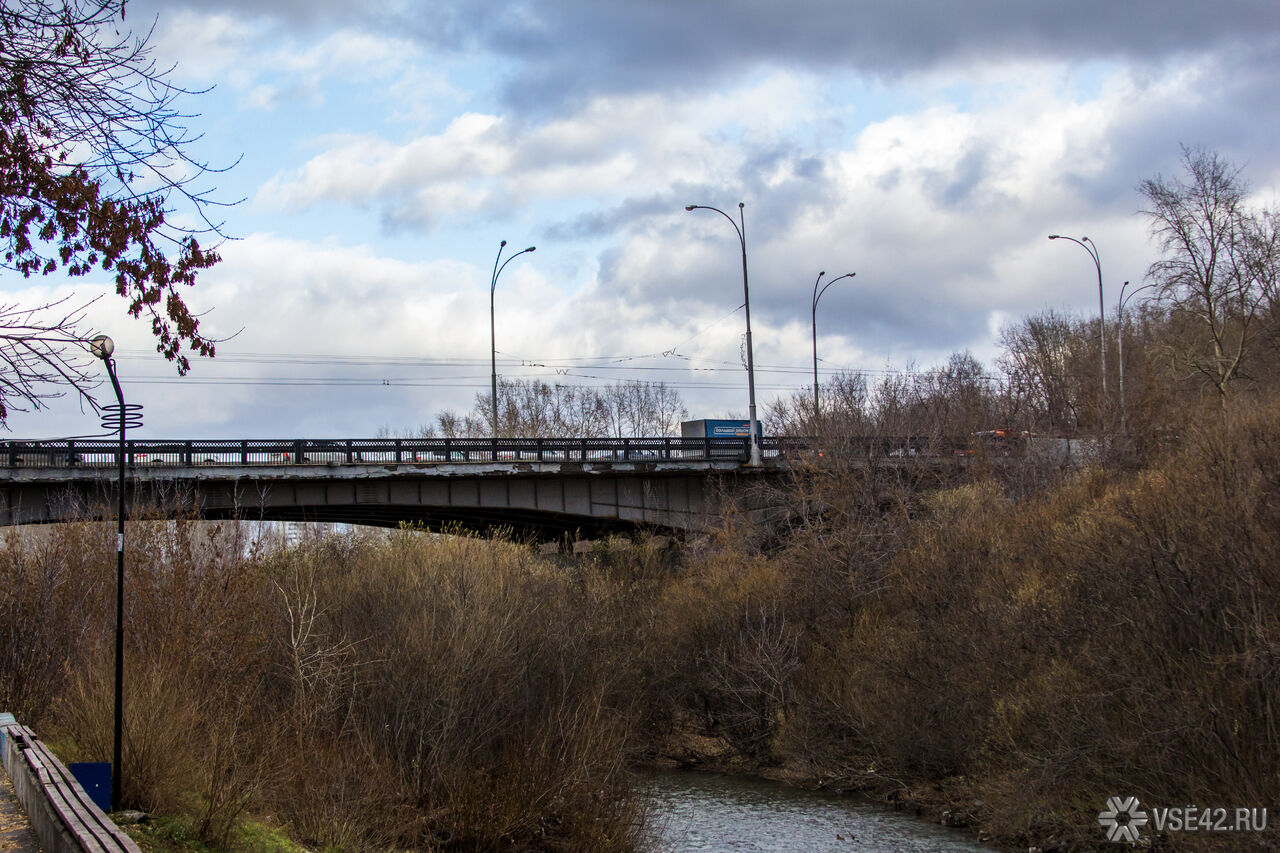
x=493 y=341
x=1120 y=335
x=817 y=294
x=1092 y=248
x=102 y=347
x=741 y=229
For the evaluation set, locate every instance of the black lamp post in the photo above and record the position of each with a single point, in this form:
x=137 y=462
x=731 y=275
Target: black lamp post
x=102 y=347
x=817 y=294
x=493 y=341
x=1092 y=248
x=740 y=228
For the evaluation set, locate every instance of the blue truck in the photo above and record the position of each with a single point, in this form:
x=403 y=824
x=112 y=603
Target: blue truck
x=718 y=429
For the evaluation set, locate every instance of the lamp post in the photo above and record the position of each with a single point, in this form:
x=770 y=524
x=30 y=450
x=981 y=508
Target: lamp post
x=741 y=229
x=817 y=294
x=1092 y=248
x=493 y=341
x=1120 y=336
x=102 y=347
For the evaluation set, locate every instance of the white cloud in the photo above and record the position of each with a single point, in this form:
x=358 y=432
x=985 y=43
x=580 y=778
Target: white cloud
x=615 y=146
x=267 y=67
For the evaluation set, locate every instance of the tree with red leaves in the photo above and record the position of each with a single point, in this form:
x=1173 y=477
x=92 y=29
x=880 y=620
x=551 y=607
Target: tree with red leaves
x=94 y=160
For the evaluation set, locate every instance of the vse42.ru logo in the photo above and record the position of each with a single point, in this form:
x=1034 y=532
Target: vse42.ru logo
x=1124 y=819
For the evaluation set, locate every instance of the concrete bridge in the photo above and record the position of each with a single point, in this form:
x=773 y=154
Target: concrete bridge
x=542 y=488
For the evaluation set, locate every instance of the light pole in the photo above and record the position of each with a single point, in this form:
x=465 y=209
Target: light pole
x=102 y=347
x=493 y=340
x=817 y=294
x=741 y=229
x=1120 y=337
x=1092 y=248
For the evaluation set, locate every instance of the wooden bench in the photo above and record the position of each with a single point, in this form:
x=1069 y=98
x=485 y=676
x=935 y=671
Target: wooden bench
x=63 y=816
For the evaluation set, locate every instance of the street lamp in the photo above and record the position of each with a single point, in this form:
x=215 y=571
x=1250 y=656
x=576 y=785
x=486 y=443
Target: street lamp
x=121 y=417
x=741 y=229
x=493 y=341
x=817 y=294
x=1120 y=336
x=1092 y=248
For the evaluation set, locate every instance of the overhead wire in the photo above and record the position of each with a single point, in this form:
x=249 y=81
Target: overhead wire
x=700 y=370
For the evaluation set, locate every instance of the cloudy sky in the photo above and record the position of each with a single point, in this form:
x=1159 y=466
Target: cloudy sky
x=382 y=151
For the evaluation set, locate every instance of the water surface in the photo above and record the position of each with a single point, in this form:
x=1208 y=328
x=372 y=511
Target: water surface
x=705 y=813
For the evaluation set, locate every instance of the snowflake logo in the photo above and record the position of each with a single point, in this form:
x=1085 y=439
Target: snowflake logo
x=1122 y=819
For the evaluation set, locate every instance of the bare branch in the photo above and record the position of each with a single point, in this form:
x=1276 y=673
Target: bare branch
x=42 y=355
x=1219 y=263
x=95 y=157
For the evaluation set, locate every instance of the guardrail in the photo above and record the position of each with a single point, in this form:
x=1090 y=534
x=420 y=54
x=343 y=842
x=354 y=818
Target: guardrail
x=103 y=452
x=63 y=816
x=91 y=453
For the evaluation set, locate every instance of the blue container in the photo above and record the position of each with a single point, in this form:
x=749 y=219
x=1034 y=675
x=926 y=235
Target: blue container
x=95 y=778
x=5 y=719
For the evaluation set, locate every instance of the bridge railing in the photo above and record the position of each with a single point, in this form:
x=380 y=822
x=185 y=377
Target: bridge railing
x=391 y=451
x=276 y=452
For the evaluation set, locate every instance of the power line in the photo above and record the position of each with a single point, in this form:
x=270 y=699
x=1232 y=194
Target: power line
x=562 y=365
x=588 y=362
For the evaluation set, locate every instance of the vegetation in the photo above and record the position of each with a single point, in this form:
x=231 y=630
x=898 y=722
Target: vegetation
x=1018 y=657
x=369 y=691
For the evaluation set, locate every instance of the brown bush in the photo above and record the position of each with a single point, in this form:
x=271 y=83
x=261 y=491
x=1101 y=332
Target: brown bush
x=53 y=589
x=1115 y=633
x=371 y=690
x=470 y=683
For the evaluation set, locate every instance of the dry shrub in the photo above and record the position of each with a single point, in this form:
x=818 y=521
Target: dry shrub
x=475 y=696
x=374 y=690
x=194 y=636
x=720 y=653
x=1116 y=633
x=53 y=588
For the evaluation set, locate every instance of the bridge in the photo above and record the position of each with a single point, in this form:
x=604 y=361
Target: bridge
x=544 y=488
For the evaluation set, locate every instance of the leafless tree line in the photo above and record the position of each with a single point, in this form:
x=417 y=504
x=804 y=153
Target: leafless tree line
x=531 y=407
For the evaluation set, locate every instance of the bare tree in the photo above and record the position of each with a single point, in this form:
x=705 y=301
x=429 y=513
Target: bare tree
x=1051 y=370
x=959 y=398
x=1219 y=265
x=94 y=157
x=846 y=401
x=643 y=408
x=531 y=407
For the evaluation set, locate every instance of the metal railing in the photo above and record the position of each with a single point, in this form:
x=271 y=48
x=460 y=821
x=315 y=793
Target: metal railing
x=91 y=453
x=382 y=451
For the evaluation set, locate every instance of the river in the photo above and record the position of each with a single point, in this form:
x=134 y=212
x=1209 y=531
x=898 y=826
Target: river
x=706 y=813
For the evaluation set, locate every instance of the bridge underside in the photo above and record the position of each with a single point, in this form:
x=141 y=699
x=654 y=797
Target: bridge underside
x=540 y=505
